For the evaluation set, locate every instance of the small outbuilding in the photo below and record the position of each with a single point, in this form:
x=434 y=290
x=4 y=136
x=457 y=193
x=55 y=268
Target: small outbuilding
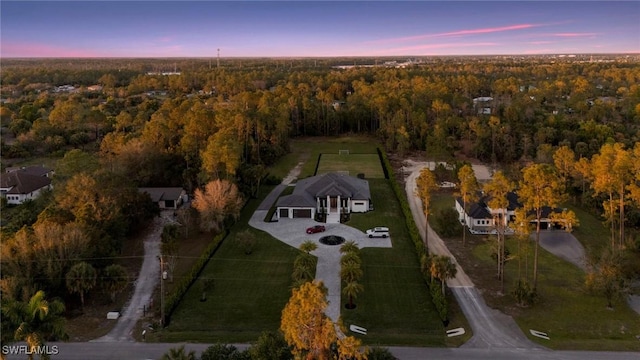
x=166 y=198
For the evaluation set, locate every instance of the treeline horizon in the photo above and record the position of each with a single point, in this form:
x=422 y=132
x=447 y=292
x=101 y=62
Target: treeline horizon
x=232 y=123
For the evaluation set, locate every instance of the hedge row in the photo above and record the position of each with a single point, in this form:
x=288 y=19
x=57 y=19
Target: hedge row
x=414 y=233
x=181 y=289
x=439 y=300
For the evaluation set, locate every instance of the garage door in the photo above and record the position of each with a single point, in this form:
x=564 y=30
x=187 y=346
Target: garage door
x=284 y=213
x=301 y=213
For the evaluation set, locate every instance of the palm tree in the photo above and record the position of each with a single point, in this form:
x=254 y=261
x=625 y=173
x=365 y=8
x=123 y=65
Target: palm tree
x=179 y=354
x=350 y=258
x=442 y=268
x=303 y=269
x=81 y=278
x=114 y=280
x=352 y=289
x=349 y=247
x=33 y=322
x=449 y=270
x=308 y=246
x=350 y=272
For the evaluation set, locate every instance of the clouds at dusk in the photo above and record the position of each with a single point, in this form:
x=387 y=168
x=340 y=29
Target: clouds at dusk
x=314 y=28
x=32 y=49
x=458 y=33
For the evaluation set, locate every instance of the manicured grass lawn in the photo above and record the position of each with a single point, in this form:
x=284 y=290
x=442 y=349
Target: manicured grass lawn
x=248 y=292
x=573 y=318
x=395 y=306
x=308 y=149
x=311 y=148
x=367 y=164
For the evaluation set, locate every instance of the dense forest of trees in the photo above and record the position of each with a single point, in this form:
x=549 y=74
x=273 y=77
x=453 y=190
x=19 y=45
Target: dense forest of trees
x=231 y=122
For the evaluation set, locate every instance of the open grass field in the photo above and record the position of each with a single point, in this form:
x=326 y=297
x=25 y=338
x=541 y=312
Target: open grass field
x=307 y=150
x=573 y=318
x=248 y=292
x=367 y=164
x=355 y=145
x=395 y=306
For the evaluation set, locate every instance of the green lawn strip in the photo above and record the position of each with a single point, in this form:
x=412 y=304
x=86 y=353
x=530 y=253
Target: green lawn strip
x=572 y=317
x=395 y=306
x=311 y=148
x=367 y=164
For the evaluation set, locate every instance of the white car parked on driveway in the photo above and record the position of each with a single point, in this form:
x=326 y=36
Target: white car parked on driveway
x=378 y=232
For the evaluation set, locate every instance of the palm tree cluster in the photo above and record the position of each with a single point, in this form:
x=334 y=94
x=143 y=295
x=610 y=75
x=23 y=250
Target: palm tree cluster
x=304 y=265
x=351 y=271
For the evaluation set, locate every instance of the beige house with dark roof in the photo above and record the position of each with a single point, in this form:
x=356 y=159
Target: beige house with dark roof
x=331 y=194
x=18 y=185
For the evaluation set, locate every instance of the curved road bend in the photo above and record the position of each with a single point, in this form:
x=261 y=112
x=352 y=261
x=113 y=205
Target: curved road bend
x=491 y=329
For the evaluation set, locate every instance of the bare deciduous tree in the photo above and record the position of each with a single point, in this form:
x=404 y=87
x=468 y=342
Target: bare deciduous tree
x=219 y=200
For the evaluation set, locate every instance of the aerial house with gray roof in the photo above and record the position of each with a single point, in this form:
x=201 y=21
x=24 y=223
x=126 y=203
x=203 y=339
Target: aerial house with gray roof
x=332 y=194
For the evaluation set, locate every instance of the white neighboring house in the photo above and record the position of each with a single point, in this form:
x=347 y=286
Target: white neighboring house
x=330 y=193
x=166 y=198
x=480 y=218
x=18 y=185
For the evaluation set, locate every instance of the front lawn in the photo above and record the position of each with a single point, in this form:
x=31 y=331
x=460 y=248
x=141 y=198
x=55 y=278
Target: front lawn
x=247 y=295
x=395 y=306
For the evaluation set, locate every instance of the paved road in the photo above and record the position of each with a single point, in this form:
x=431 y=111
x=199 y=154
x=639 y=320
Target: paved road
x=563 y=245
x=144 y=351
x=491 y=329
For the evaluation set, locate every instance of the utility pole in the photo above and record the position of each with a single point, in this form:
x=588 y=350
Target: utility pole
x=162 y=276
x=218 y=58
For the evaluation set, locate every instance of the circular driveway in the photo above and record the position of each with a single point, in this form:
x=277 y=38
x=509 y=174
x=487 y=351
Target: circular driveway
x=293 y=232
